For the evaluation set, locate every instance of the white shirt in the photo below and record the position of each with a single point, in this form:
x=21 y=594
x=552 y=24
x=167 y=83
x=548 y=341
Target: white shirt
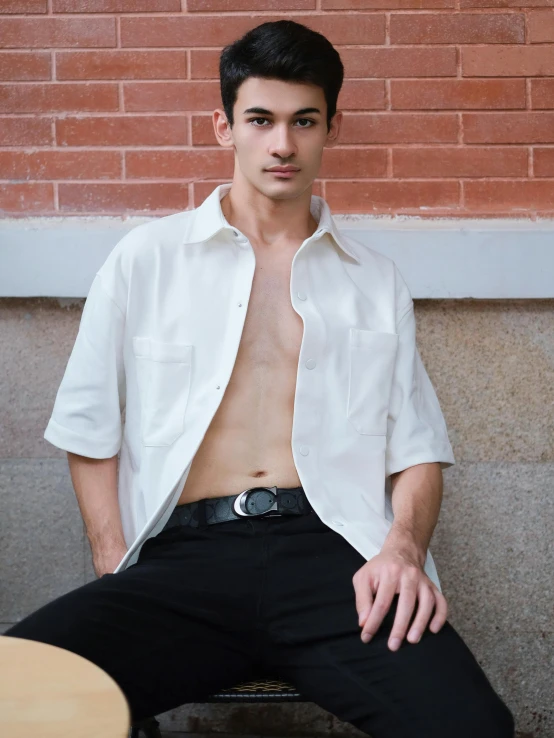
x=159 y=336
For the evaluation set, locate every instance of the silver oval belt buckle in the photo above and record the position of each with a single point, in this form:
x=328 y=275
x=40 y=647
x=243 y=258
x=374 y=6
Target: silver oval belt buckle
x=240 y=504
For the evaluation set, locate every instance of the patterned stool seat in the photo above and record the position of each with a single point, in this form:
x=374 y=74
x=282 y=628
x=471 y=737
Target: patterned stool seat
x=263 y=690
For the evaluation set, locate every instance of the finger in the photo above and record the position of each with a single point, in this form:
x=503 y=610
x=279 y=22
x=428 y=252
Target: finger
x=404 y=610
x=365 y=609
x=381 y=606
x=426 y=603
x=364 y=598
x=441 y=612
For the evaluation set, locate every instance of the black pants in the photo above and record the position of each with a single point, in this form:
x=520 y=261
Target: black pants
x=204 y=608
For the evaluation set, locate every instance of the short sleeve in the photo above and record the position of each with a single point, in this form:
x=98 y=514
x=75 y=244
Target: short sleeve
x=416 y=429
x=86 y=418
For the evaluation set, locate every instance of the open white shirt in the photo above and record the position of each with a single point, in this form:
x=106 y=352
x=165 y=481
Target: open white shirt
x=159 y=336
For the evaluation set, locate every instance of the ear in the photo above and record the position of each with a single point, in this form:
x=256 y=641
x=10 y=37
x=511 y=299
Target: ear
x=222 y=129
x=334 y=131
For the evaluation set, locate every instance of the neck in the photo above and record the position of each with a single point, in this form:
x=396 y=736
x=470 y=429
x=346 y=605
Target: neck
x=266 y=221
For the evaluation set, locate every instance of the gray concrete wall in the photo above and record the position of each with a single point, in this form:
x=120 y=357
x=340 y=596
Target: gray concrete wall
x=492 y=364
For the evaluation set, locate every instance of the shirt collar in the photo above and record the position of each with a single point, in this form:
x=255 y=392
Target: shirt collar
x=208 y=220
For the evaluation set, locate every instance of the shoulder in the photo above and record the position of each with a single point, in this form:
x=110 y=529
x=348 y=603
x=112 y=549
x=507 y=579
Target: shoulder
x=138 y=249
x=382 y=267
x=136 y=244
x=169 y=229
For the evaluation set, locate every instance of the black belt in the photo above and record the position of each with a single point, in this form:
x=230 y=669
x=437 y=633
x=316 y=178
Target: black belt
x=255 y=502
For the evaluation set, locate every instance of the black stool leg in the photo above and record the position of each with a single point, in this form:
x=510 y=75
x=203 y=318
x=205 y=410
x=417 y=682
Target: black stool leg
x=149 y=728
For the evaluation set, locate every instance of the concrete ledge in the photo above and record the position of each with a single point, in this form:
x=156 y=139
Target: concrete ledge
x=450 y=258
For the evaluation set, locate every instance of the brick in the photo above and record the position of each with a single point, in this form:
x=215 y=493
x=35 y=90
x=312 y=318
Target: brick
x=122 y=197
x=44 y=98
x=459 y=94
x=32 y=33
x=191 y=30
x=55 y=164
x=362 y=94
x=115 y=6
x=399 y=128
x=179 y=96
x=204 y=63
x=121 y=65
x=203 y=133
x=359 y=163
x=21 y=65
x=542 y=94
x=398 y=62
x=422 y=162
x=504 y=3
x=24 y=6
x=457 y=28
x=513 y=195
x=540 y=26
x=543 y=162
x=525 y=127
x=385 y=4
x=367 y=197
x=220 y=6
x=123 y=130
x=26 y=197
x=508 y=61
x=21 y=131
x=178 y=164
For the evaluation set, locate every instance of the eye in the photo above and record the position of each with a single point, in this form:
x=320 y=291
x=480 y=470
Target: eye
x=265 y=120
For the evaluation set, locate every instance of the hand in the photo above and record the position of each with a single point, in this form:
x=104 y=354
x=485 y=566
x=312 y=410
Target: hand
x=106 y=560
x=389 y=573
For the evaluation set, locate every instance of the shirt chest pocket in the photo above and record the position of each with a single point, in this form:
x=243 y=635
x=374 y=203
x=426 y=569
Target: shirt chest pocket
x=372 y=356
x=163 y=376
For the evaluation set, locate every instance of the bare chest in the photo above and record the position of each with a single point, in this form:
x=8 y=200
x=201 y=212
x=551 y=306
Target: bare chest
x=273 y=330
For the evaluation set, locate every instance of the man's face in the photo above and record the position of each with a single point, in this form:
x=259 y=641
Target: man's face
x=279 y=123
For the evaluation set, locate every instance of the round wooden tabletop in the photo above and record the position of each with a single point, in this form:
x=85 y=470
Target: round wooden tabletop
x=48 y=692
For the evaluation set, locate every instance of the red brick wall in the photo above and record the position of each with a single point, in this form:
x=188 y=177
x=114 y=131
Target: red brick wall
x=105 y=104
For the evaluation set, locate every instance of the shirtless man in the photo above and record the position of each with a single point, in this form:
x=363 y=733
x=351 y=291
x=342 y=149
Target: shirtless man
x=248 y=440
x=251 y=343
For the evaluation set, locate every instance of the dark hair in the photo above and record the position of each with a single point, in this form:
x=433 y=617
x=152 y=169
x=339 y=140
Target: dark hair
x=283 y=50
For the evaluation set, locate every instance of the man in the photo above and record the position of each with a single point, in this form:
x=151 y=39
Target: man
x=271 y=383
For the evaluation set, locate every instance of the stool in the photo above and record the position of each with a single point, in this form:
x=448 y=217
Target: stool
x=264 y=690
x=50 y=692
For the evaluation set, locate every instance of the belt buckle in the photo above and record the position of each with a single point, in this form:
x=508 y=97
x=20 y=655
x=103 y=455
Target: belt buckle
x=239 y=504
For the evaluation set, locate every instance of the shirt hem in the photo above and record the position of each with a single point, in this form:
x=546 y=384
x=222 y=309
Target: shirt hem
x=68 y=440
x=443 y=455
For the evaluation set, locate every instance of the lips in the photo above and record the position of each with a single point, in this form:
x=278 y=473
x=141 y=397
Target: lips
x=283 y=170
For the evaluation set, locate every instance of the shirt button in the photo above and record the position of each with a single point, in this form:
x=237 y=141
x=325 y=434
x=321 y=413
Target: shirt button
x=304 y=450
x=338 y=522
x=311 y=363
x=302 y=295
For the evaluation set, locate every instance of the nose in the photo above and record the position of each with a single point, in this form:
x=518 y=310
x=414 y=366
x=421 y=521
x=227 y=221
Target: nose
x=282 y=144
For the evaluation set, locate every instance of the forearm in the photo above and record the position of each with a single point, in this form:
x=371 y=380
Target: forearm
x=416 y=501
x=95 y=484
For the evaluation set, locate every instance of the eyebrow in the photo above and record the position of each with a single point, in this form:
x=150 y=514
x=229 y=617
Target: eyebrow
x=263 y=111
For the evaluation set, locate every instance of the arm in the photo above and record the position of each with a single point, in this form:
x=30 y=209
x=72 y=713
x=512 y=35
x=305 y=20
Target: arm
x=95 y=484
x=418 y=449
x=416 y=500
x=86 y=422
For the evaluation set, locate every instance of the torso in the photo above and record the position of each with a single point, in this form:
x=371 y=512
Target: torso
x=248 y=442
